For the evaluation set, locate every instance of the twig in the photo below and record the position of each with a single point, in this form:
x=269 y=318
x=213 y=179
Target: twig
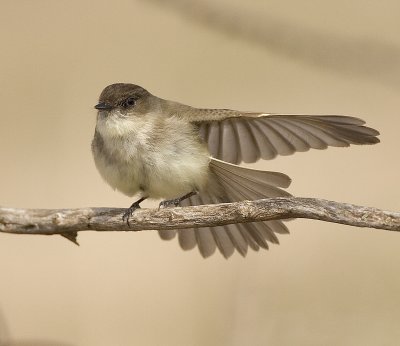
x=70 y=221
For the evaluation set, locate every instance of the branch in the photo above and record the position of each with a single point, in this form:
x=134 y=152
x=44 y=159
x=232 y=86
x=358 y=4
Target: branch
x=70 y=221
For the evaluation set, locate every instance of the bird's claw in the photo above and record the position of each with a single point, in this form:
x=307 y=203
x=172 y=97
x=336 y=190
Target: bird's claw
x=169 y=203
x=129 y=212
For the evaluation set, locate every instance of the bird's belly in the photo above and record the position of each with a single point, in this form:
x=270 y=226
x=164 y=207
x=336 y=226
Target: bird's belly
x=171 y=177
x=159 y=157
x=122 y=176
x=158 y=176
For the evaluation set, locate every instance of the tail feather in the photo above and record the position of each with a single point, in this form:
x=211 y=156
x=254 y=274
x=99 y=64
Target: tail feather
x=205 y=241
x=233 y=183
x=246 y=234
x=223 y=241
x=167 y=234
x=187 y=239
x=238 y=239
x=279 y=227
x=255 y=229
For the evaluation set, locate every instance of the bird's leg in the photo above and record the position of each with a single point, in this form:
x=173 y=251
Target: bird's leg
x=175 y=202
x=131 y=209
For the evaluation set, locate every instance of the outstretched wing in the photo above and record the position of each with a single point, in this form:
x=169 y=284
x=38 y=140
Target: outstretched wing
x=237 y=137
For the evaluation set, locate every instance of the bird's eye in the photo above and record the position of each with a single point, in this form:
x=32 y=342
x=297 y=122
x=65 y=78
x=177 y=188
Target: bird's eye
x=129 y=102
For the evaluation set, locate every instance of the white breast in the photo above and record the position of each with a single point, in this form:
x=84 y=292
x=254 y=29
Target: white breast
x=159 y=156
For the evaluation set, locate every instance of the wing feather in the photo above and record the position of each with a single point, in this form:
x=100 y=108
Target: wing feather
x=256 y=135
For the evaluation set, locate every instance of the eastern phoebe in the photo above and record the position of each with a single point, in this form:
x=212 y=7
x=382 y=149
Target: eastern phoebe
x=167 y=150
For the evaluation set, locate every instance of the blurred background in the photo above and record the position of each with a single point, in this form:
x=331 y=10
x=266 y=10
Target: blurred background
x=324 y=284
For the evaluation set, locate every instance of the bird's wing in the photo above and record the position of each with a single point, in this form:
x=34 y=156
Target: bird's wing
x=237 y=137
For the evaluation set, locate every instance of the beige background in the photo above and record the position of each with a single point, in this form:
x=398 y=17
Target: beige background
x=325 y=284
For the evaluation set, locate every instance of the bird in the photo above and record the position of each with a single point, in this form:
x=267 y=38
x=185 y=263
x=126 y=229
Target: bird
x=160 y=149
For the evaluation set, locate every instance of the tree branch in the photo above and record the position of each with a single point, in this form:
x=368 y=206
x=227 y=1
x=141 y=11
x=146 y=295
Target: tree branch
x=70 y=221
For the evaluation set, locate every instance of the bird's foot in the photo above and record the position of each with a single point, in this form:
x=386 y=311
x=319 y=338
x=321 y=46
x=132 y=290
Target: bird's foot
x=175 y=202
x=129 y=212
x=169 y=203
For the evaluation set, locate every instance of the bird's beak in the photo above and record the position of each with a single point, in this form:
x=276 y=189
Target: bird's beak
x=103 y=106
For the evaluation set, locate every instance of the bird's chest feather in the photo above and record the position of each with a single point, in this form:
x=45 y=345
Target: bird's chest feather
x=161 y=158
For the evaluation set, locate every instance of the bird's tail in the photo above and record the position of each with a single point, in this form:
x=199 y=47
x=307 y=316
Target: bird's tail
x=231 y=183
